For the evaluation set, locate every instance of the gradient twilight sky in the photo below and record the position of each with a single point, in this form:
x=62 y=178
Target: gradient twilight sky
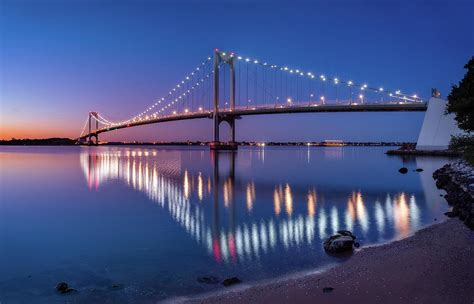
x=61 y=59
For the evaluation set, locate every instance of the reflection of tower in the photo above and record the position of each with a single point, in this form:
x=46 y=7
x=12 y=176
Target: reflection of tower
x=229 y=193
x=230 y=156
x=215 y=216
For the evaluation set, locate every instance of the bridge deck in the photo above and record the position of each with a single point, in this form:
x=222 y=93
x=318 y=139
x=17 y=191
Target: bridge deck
x=279 y=109
x=315 y=108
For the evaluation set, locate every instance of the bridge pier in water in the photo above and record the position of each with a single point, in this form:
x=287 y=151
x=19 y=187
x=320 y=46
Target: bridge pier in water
x=217 y=144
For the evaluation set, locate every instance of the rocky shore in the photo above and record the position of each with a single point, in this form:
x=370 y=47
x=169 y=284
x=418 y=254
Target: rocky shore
x=432 y=266
x=457 y=179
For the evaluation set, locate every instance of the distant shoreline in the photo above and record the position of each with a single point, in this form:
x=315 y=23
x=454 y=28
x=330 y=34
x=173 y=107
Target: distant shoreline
x=72 y=142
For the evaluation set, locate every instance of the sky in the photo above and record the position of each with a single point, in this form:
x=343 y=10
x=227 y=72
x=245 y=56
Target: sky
x=61 y=59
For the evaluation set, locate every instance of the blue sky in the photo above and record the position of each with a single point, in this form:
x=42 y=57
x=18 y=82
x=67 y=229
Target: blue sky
x=61 y=59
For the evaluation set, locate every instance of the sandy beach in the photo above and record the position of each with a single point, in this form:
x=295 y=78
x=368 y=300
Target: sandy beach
x=436 y=265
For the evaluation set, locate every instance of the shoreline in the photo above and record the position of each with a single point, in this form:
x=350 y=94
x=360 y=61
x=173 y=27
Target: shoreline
x=207 y=144
x=420 y=268
x=457 y=179
x=442 y=153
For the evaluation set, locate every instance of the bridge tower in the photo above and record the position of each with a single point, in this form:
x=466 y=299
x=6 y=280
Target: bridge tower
x=218 y=117
x=93 y=134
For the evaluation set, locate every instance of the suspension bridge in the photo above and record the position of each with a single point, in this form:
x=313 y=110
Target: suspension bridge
x=227 y=87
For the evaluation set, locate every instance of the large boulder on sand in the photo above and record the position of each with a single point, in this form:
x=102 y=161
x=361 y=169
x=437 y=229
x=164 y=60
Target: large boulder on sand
x=343 y=241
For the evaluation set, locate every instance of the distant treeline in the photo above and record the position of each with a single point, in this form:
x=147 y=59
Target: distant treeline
x=317 y=143
x=39 y=142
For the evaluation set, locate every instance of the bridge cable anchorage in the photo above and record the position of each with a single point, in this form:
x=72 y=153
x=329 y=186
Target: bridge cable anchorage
x=264 y=86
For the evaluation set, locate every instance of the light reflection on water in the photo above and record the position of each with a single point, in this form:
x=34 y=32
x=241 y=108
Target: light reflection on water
x=167 y=185
x=156 y=219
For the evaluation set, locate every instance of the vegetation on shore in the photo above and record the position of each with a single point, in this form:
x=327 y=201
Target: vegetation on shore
x=461 y=103
x=39 y=142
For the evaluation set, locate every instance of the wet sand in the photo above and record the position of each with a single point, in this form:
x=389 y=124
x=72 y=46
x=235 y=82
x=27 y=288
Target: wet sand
x=436 y=265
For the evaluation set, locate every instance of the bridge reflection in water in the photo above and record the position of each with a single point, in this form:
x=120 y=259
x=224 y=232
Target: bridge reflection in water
x=205 y=204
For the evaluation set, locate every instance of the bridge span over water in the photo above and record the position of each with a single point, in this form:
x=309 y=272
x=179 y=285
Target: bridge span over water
x=227 y=87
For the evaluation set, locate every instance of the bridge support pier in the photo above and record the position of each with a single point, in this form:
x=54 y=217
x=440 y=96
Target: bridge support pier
x=220 y=145
x=225 y=58
x=437 y=127
x=91 y=142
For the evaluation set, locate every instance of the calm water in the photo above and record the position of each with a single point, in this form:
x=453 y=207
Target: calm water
x=153 y=220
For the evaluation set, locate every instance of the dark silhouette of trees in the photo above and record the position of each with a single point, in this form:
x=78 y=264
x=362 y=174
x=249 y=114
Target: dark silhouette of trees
x=461 y=103
x=461 y=99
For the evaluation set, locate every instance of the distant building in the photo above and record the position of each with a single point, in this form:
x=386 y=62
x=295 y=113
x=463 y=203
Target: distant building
x=333 y=142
